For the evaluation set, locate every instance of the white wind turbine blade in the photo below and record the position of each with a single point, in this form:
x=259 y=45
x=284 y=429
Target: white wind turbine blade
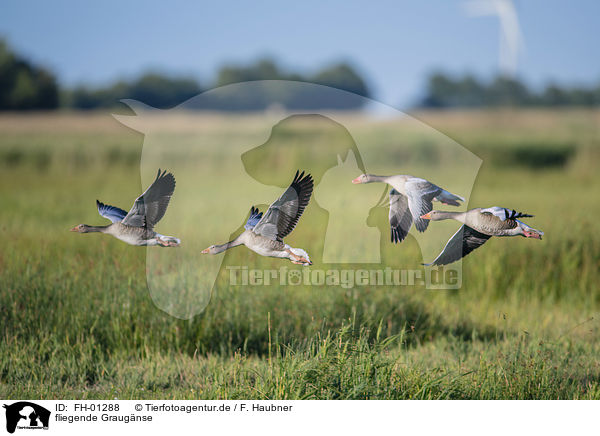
x=510 y=33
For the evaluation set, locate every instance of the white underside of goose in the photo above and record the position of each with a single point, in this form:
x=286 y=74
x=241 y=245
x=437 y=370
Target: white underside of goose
x=264 y=234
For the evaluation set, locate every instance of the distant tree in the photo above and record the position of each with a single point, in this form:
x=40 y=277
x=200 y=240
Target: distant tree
x=24 y=86
x=340 y=76
x=161 y=91
x=444 y=91
x=584 y=97
x=263 y=69
x=554 y=96
x=440 y=90
x=504 y=91
x=471 y=92
x=152 y=88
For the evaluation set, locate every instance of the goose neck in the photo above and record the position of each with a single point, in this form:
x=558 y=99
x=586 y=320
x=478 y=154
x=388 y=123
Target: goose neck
x=447 y=215
x=226 y=246
x=93 y=229
x=375 y=178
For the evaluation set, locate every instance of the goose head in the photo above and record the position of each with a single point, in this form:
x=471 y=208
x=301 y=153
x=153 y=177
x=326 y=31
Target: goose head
x=435 y=215
x=213 y=249
x=363 y=178
x=81 y=228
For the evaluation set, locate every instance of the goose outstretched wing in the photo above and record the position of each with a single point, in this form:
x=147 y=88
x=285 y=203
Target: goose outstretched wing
x=283 y=215
x=460 y=244
x=151 y=206
x=420 y=194
x=400 y=216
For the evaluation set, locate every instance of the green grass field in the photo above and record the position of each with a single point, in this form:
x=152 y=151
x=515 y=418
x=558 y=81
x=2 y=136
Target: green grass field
x=78 y=320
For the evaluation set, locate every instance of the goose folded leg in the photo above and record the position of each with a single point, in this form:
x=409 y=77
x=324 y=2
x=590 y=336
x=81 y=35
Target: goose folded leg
x=168 y=241
x=298 y=256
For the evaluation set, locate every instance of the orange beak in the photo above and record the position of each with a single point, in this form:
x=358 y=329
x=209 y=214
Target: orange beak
x=533 y=235
x=74 y=229
x=357 y=181
x=205 y=251
x=427 y=216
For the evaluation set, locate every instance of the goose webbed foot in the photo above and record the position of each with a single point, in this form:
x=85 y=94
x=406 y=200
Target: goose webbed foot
x=301 y=261
x=164 y=243
x=298 y=260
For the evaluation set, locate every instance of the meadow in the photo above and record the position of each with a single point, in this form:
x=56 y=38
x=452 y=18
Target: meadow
x=79 y=320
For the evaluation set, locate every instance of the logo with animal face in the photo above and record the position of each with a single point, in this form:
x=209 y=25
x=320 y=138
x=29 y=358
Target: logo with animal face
x=236 y=186
x=26 y=415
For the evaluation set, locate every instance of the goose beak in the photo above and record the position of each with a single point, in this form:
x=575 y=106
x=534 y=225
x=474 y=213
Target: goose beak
x=533 y=235
x=427 y=216
x=357 y=181
x=74 y=229
x=205 y=251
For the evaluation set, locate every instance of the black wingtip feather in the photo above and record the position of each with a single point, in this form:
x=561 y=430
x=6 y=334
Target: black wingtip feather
x=396 y=236
x=303 y=183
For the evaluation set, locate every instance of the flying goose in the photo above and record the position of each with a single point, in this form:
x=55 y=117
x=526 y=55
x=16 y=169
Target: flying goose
x=264 y=234
x=479 y=225
x=410 y=198
x=136 y=227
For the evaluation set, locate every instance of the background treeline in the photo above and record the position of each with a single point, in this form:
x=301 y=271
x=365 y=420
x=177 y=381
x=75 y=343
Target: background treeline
x=444 y=91
x=24 y=86
x=164 y=92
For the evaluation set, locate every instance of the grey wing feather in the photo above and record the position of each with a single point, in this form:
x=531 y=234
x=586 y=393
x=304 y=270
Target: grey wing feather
x=420 y=196
x=460 y=244
x=400 y=216
x=151 y=206
x=283 y=215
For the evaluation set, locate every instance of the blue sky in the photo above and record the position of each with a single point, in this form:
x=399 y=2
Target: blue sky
x=394 y=44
